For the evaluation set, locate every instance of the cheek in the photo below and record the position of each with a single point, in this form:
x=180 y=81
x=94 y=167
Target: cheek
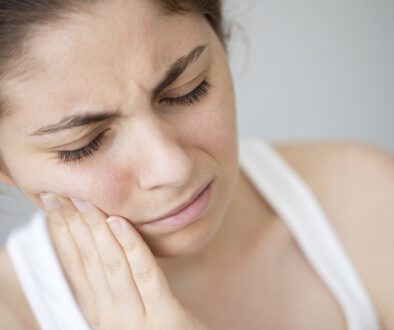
x=217 y=128
x=105 y=186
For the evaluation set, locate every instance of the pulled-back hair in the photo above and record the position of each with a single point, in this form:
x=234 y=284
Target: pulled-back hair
x=17 y=17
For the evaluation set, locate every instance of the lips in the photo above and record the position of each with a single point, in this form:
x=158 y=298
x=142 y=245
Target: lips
x=183 y=205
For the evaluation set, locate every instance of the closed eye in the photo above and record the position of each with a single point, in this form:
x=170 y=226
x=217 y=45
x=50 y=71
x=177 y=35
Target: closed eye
x=190 y=98
x=65 y=156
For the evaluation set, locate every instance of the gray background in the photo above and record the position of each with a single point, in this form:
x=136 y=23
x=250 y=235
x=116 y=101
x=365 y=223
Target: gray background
x=303 y=70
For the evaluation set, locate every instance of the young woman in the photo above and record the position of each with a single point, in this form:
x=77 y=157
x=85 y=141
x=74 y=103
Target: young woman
x=118 y=123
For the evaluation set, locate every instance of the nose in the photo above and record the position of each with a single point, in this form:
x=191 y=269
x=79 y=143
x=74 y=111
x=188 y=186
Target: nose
x=162 y=159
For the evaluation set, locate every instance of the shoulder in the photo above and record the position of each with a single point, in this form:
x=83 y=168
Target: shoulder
x=15 y=313
x=354 y=183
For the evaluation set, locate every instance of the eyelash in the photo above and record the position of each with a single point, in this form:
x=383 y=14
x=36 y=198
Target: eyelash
x=65 y=156
x=189 y=99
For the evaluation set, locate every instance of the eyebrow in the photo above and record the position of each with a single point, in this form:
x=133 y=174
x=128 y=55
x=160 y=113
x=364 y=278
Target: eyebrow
x=176 y=69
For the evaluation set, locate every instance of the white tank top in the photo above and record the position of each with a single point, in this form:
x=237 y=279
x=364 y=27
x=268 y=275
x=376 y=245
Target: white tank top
x=52 y=302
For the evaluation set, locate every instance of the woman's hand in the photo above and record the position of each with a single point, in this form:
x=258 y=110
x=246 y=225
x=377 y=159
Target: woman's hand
x=113 y=274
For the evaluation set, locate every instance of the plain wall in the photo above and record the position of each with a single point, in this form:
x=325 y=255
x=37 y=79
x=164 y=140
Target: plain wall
x=315 y=69
x=302 y=70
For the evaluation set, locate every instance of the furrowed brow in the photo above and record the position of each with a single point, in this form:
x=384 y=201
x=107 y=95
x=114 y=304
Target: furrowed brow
x=179 y=67
x=76 y=121
x=176 y=69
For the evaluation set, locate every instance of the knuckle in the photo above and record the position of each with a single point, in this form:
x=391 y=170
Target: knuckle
x=129 y=247
x=71 y=216
x=144 y=274
x=89 y=257
x=95 y=225
x=120 y=295
x=113 y=267
x=57 y=222
x=94 y=220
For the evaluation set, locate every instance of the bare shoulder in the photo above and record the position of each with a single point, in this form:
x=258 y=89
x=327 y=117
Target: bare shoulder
x=15 y=314
x=354 y=183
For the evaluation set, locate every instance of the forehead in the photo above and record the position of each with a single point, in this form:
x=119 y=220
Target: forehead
x=114 y=31
x=92 y=53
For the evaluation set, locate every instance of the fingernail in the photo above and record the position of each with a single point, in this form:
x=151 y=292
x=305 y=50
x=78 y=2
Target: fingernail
x=80 y=205
x=115 y=225
x=50 y=201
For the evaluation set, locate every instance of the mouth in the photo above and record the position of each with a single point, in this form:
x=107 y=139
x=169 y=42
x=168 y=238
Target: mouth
x=187 y=211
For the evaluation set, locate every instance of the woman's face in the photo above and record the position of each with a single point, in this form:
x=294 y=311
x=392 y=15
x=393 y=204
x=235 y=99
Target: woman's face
x=149 y=140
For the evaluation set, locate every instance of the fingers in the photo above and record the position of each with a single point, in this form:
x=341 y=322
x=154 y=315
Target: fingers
x=99 y=253
x=68 y=254
x=88 y=251
x=148 y=276
x=114 y=262
x=85 y=245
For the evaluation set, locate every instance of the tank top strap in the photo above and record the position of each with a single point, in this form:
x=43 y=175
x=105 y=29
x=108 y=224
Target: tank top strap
x=290 y=197
x=41 y=277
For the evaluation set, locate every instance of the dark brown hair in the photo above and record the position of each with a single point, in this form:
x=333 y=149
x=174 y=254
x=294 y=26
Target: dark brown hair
x=18 y=17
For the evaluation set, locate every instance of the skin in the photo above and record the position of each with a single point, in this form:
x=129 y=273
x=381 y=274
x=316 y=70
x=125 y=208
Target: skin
x=155 y=156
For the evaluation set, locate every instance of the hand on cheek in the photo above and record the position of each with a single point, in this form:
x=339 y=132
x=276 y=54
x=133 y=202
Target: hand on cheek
x=79 y=232
x=113 y=273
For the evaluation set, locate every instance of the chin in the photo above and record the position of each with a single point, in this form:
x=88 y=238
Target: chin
x=197 y=238
x=184 y=243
